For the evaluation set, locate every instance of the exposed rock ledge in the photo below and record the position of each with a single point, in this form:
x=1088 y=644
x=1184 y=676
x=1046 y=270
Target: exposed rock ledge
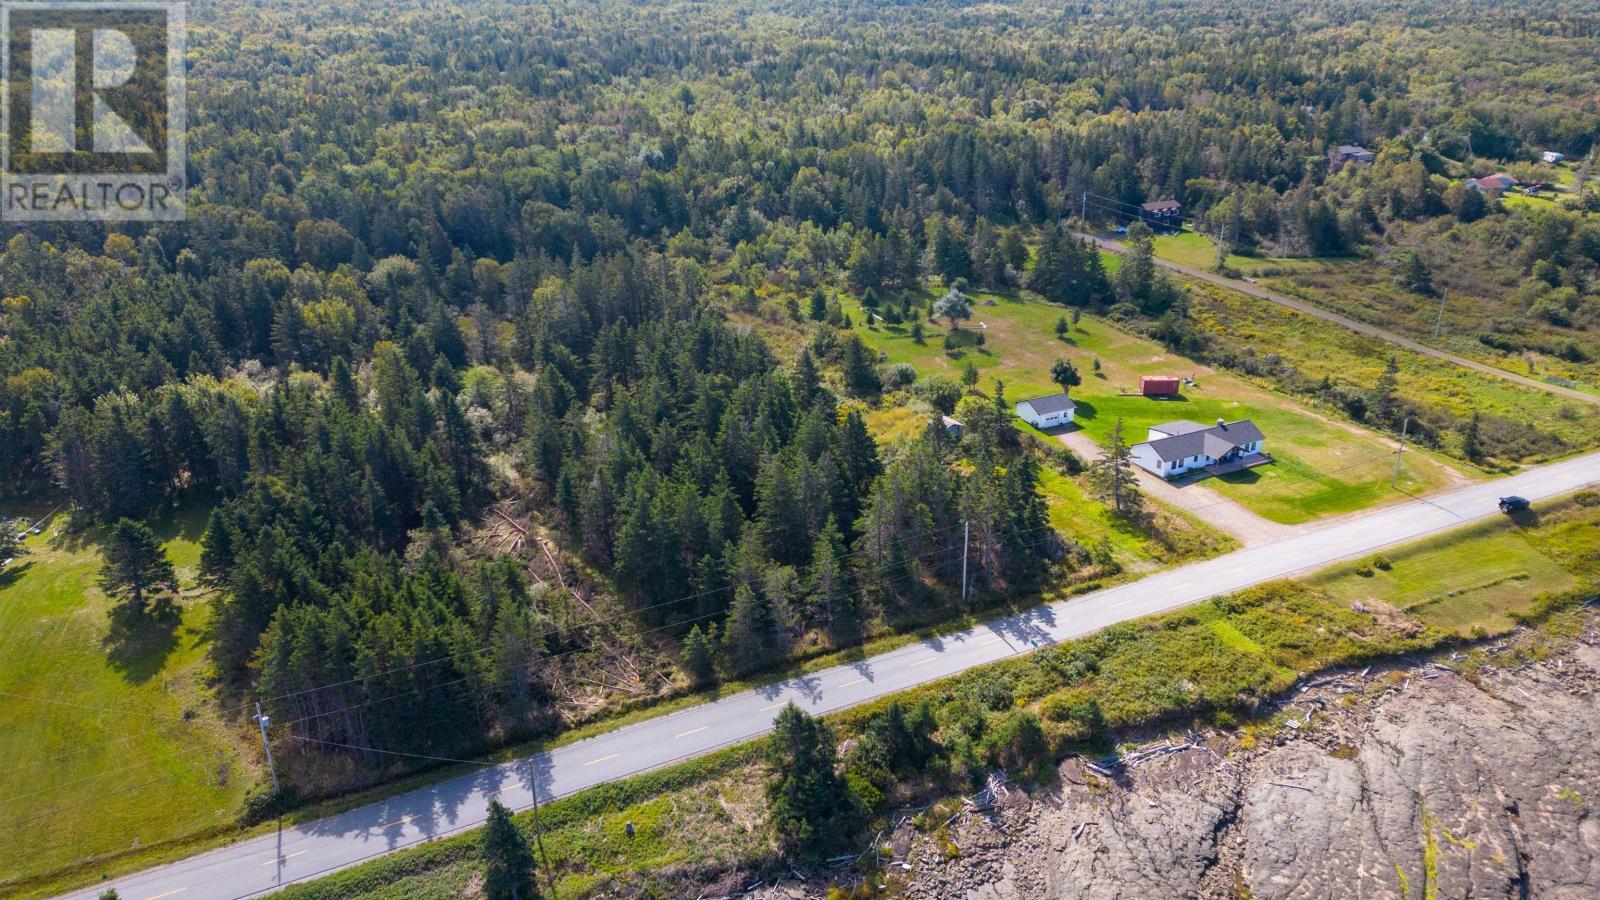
x=1411 y=783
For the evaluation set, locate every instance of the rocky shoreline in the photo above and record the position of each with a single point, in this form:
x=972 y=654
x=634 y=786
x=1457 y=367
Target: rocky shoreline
x=1420 y=780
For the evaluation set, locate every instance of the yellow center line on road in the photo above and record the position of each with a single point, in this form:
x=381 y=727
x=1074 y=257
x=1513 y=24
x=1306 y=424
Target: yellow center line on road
x=596 y=762
x=853 y=683
x=1124 y=602
x=923 y=662
x=692 y=731
x=991 y=641
x=400 y=821
x=1176 y=588
x=167 y=894
x=284 y=857
x=773 y=706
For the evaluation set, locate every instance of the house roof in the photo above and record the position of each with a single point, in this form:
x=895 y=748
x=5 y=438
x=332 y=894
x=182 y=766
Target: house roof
x=1213 y=441
x=1353 y=150
x=1180 y=426
x=1156 y=206
x=1051 y=403
x=950 y=423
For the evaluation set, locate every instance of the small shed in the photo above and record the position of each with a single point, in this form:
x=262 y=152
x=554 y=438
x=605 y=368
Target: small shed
x=1159 y=386
x=952 y=427
x=1552 y=157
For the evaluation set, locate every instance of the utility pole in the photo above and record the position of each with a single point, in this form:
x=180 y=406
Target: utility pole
x=1438 y=324
x=1404 y=424
x=1084 y=214
x=966 y=537
x=538 y=839
x=263 y=720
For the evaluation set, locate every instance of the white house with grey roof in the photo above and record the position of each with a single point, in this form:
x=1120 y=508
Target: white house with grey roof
x=1050 y=411
x=1177 y=448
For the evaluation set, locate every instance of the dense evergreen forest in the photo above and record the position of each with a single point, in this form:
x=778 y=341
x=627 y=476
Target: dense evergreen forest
x=444 y=255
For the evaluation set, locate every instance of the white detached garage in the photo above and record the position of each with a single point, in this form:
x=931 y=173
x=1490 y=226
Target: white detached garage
x=1051 y=411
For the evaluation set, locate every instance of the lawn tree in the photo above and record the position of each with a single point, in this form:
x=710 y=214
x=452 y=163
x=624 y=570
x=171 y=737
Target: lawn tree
x=969 y=374
x=1061 y=327
x=953 y=306
x=1113 y=474
x=812 y=810
x=1064 y=373
x=507 y=860
x=136 y=569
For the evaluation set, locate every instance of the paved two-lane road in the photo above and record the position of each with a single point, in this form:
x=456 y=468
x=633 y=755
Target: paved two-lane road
x=264 y=864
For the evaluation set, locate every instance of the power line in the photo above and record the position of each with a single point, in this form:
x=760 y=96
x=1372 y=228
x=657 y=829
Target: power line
x=711 y=615
x=45 y=814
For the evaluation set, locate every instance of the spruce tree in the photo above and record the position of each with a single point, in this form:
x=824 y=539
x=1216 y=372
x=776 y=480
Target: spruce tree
x=812 y=810
x=507 y=861
x=136 y=569
x=1471 y=441
x=750 y=634
x=1113 y=474
x=698 y=655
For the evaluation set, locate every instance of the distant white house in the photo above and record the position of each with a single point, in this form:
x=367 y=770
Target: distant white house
x=1176 y=448
x=1552 y=157
x=1050 y=411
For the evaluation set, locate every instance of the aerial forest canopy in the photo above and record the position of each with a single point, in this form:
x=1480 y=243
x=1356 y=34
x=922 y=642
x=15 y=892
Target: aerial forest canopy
x=441 y=256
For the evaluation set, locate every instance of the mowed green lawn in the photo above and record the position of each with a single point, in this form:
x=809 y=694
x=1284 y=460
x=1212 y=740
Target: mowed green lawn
x=1479 y=576
x=1322 y=468
x=1191 y=248
x=98 y=757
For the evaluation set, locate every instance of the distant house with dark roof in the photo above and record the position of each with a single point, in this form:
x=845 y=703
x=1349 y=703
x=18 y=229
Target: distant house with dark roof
x=1177 y=448
x=1499 y=181
x=1049 y=411
x=1345 y=154
x=1162 y=213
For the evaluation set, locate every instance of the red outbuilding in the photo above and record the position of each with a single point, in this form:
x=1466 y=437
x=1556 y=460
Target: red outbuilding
x=1158 y=386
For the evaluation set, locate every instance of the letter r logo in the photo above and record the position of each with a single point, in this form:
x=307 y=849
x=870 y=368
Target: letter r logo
x=55 y=91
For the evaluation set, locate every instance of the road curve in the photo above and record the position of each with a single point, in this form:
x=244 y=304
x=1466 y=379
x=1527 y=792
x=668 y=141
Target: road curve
x=264 y=864
x=1311 y=309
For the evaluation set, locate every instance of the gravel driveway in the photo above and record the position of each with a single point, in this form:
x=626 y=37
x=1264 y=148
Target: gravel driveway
x=1205 y=504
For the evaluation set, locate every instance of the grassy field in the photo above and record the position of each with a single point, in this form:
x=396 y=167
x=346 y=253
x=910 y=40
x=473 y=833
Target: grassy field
x=1191 y=248
x=99 y=756
x=1480 y=294
x=1322 y=467
x=1479 y=578
x=1319 y=349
